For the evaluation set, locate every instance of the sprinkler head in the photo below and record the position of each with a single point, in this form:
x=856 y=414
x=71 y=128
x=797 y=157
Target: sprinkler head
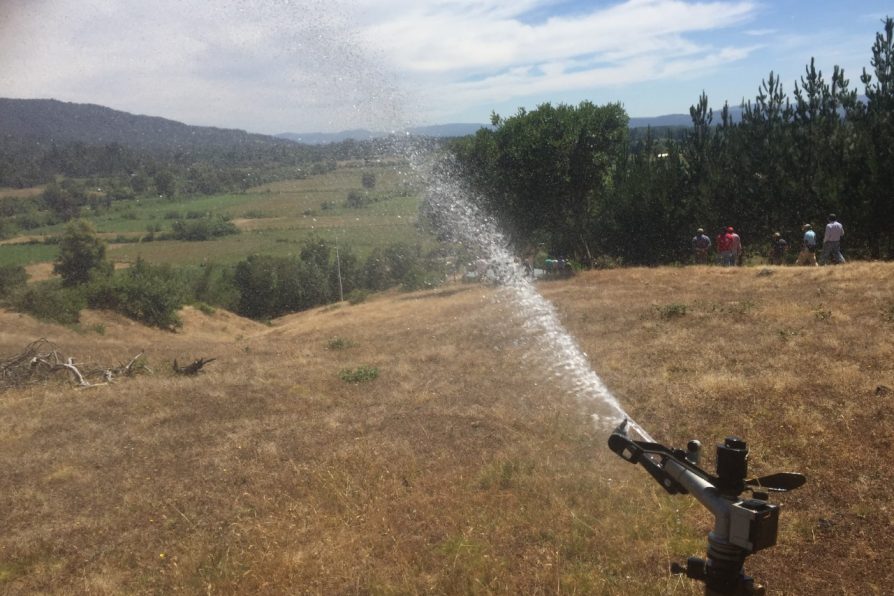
x=732 y=466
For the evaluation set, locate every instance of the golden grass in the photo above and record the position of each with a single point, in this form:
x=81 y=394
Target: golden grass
x=18 y=193
x=464 y=467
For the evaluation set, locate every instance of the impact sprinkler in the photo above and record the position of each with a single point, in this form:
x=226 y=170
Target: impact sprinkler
x=741 y=526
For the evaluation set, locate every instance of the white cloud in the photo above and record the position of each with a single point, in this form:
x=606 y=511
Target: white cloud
x=302 y=65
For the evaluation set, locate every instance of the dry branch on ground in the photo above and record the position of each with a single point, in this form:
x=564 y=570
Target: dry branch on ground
x=42 y=360
x=192 y=368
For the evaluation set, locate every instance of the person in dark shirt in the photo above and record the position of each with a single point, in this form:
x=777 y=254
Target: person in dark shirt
x=700 y=246
x=778 y=247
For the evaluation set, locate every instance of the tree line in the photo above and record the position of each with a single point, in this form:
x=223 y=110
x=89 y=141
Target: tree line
x=570 y=177
x=260 y=286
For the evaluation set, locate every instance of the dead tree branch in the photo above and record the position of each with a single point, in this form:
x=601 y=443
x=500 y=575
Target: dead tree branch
x=42 y=360
x=193 y=368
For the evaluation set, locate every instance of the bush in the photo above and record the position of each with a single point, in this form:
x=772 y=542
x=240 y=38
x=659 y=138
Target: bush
x=357 y=296
x=8 y=229
x=81 y=253
x=339 y=343
x=361 y=374
x=12 y=278
x=419 y=279
x=204 y=228
x=151 y=295
x=213 y=285
x=205 y=308
x=671 y=311
x=50 y=301
x=356 y=200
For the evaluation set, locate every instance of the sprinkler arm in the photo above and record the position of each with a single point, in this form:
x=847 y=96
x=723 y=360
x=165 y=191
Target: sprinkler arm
x=670 y=466
x=742 y=526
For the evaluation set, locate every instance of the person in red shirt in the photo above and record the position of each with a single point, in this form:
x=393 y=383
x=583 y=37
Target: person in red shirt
x=724 y=244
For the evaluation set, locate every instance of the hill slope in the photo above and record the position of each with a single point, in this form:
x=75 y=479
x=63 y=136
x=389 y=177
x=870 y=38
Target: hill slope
x=51 y=121
x=469 y=464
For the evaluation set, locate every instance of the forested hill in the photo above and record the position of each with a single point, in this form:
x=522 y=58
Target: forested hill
x=49 y=121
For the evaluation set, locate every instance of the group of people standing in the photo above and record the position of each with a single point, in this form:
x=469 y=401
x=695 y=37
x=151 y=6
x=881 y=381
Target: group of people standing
x=728 y=246
x=729 y=250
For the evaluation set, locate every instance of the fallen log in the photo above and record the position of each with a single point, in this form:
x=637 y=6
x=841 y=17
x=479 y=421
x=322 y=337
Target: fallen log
x=193 y=368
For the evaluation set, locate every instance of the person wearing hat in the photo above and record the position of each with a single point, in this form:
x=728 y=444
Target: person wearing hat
x=778 y=246
x=807 y=256
x=700 y=246
x=832 y=241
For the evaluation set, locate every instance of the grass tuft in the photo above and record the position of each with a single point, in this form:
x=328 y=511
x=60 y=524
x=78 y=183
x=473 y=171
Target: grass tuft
x=361 y=374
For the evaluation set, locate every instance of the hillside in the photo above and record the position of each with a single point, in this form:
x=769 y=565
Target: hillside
x=469 y=465
x=50 y=121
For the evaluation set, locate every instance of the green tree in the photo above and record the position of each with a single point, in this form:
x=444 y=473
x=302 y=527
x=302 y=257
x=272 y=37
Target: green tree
x=81 y=252
x=257 y=280
x=165 y=183
x=146 y=293
x=64 y=201
x=139 y=182
x=548 y=172
x=872 y=160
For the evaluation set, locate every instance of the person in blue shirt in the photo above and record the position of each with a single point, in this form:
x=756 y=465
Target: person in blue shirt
x=807 y=255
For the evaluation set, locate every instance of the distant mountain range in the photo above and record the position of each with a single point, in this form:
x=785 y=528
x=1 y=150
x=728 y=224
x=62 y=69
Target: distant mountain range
x=50 y=121
x=463 y=129
x=440 y=130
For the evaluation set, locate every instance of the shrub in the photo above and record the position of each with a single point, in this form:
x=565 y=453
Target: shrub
x=213 y=285
x=671 y=311
x=12 y=278
x=204 y=228
x=8 y=229
x=151 y=295
x=339 y=343
x=81 y=252
x=357 y=296
x=356 y=200
x=361 y=374
x=205 y=308
x=51 y=301
x=419 y=279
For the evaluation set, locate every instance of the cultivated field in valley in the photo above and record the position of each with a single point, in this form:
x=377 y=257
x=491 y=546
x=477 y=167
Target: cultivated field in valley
x=275 y=219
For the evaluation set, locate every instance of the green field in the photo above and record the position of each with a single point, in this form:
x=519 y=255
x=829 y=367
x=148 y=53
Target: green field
x=274 y=219
x=26 y=254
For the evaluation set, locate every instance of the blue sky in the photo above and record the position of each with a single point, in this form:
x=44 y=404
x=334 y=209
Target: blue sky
x=274 y=66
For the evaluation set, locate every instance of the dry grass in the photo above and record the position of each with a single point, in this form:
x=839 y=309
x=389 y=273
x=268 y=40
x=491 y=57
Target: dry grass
x=33 y=191
x=460 y=469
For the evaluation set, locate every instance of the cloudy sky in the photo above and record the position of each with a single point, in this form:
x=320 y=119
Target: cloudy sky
x=274 y=66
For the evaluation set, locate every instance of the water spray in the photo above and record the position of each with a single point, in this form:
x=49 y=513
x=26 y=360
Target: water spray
x=742 y=526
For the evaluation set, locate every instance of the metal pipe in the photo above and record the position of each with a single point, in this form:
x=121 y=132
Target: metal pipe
x=706 y=494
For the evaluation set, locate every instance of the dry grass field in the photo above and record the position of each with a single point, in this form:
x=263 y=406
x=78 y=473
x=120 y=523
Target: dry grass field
x=465 y=467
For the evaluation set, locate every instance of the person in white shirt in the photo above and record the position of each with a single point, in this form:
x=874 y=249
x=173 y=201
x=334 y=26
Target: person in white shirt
x=832 y=241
